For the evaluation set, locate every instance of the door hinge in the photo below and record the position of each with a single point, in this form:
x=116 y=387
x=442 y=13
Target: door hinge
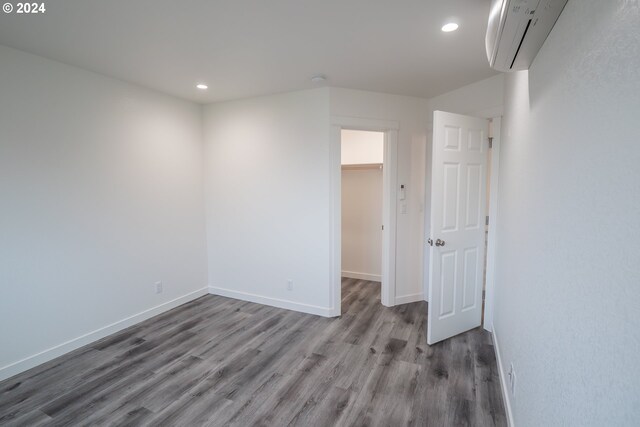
x=487 y=223
x=383 y=228
x=490 y=142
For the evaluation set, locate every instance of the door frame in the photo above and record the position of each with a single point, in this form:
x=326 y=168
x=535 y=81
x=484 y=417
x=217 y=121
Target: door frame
x=496 y=125
x=389 y=178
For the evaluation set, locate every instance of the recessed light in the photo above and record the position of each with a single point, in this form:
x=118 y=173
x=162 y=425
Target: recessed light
x=202 y=86
x=451 y=26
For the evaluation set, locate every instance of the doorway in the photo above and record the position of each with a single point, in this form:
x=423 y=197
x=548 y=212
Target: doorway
x=362 y=160
x=388 y=131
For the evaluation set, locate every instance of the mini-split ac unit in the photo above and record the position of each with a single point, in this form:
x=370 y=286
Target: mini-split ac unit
x=517 y=29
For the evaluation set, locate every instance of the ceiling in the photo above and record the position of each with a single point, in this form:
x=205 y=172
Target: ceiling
x=244 y=48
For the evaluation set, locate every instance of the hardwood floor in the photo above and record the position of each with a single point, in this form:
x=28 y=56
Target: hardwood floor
x=219 y=361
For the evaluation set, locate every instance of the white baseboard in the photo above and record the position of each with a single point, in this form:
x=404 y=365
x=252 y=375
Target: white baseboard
x=273 y=302
x=503 y=381
x=362 y=276
x=406 y=299
x=44 y=356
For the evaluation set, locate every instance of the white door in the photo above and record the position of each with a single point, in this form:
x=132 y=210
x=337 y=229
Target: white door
x=456 y=243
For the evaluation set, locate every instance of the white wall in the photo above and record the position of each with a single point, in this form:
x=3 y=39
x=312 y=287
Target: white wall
x=480 y=99
x=361 y=147
x=267 y=185
x=267 y=195
x=568 y=293
x=101 y=196
x=267 y=178
x=362 y=223
x=409 y=113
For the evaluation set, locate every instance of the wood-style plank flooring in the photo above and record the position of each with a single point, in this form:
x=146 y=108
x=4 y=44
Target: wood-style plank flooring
x=223 y=362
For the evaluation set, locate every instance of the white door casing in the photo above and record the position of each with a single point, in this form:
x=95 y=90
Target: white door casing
x=389 y=173
x=458 y=206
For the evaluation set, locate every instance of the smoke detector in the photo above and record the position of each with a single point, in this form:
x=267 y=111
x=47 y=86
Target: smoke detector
x=318 y=79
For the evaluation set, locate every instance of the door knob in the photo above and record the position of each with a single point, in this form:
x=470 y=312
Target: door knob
x=439 y=242
x=430 y=241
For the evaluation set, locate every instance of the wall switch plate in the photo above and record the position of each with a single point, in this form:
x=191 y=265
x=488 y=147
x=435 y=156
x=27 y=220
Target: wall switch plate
x=158 y=287
x=289 y=285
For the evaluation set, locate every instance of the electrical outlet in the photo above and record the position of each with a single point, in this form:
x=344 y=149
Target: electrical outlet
x=158 y=287
x=289 y=285
x=512 y=380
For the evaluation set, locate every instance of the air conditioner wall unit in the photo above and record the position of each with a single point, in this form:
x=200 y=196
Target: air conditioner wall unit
x=517 y=29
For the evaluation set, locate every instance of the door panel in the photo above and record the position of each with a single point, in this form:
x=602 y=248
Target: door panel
x=450 y=197
x=458 y=203
x=449 y=262
x=470 y=281
x=474 y=191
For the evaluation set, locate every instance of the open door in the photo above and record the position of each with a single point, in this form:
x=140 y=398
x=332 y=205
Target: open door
x=457 y=240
